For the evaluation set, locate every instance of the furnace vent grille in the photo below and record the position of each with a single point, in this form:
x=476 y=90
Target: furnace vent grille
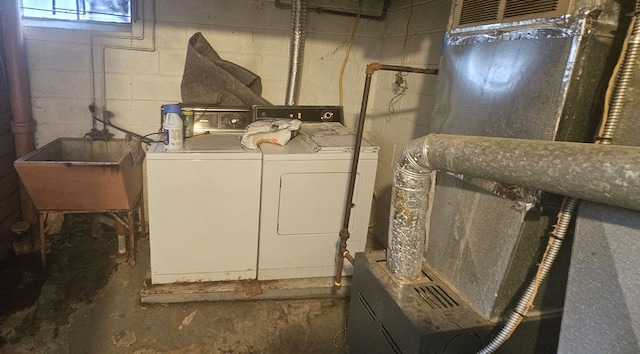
x=516 y=8
x=473 y=11
x=436 y=297
x=481 y=12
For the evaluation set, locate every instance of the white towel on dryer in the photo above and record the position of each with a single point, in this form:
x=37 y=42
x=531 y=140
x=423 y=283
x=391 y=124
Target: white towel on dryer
x=276 y=131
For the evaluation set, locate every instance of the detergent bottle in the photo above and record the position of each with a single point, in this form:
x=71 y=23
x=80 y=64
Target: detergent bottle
x=172 y=128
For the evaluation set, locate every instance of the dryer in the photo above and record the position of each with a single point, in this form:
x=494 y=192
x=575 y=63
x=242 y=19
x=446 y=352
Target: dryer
x=304 y=189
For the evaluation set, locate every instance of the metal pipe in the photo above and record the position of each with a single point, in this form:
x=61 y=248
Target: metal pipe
x=22 y=124
x=623 y=79
x=602 y=173
x=344 y=232
x=406 y=69
x=526 y=301
x=608 y=174
x=296 y=50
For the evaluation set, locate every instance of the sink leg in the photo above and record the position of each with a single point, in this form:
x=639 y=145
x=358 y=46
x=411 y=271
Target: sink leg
x=43 y=251
x=132 y=231
x=143 y=222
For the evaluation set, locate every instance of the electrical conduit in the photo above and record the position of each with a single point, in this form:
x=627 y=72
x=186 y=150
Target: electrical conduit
x=614 y=100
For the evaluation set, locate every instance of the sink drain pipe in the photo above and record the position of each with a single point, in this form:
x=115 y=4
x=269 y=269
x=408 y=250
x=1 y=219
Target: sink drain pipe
x=344 y=232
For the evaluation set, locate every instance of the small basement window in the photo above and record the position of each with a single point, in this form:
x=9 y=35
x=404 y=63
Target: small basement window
x=89 y=11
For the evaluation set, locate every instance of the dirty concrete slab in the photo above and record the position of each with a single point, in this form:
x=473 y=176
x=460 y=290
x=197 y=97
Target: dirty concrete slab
x=109 y=317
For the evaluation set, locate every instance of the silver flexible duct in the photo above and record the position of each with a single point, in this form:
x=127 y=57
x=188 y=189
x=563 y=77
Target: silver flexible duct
x=608 y=174
x=623 y=74
x=623 y=79
x=296 y=50
x=558 y=235
x=409 y=202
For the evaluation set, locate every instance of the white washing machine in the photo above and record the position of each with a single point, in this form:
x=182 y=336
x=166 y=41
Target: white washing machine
x=304 y=190
x=204 y=208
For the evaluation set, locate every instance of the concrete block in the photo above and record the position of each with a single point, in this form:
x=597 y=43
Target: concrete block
x=274 y=91
x=47 y=83
x=393 y=50
x=172 y=61
x=61 y=110
x=278 y=19
x=197 y=11
x=222 y=39
x=119 y=86
x=436 y=11
x=276 y=68
x=156 y=87
x=401 y=130
x=396 y=21
x=324 y=47
x=252 y=13
x=366 y=49
x=66 y=56
x=264 y=43
x=171 y=35
x=425 y=49
x=131 y=61
x=144 y=115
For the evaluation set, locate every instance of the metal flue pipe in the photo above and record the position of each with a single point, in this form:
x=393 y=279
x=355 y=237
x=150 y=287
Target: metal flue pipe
x=296 y=50
x=608 y=174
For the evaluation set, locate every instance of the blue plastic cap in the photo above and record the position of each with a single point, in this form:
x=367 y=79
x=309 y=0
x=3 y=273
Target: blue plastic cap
x=172 y=108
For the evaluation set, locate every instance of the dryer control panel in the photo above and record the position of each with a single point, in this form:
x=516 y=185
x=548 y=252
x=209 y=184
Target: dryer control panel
x=307 y=114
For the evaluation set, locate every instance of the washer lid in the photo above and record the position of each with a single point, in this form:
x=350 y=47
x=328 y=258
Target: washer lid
x=213 y=142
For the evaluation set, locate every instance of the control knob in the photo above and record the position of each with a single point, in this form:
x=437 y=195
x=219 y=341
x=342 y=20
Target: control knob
x=326 y=116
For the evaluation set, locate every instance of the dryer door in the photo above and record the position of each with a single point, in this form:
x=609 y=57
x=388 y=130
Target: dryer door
x=313 y=203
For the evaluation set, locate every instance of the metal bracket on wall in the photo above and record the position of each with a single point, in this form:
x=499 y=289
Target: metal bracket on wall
x=320 y=8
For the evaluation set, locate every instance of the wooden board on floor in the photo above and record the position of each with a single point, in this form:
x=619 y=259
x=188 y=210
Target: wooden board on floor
x=281 y=289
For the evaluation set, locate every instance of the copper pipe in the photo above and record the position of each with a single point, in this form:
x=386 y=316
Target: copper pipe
x=344 y=233
x=22 y=124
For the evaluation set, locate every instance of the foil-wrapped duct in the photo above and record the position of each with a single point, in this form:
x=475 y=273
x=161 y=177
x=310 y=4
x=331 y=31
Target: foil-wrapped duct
x=407 y=220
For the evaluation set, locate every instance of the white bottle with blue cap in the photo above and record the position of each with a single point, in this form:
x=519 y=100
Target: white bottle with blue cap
x=172 y=126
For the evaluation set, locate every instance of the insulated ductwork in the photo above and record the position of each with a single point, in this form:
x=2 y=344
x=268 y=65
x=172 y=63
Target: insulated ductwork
x=601 y=173
x=296 y=50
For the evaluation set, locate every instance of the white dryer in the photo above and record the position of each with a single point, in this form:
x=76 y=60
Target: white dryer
x=304 y=190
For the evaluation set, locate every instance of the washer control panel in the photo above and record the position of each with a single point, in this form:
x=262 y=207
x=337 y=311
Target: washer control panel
x=214 y=118
x=307 y=114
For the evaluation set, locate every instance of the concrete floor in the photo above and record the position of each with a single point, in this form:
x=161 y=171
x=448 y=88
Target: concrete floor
x=88 y=304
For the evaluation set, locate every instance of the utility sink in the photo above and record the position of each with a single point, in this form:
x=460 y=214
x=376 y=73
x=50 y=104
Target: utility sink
x=76 y=174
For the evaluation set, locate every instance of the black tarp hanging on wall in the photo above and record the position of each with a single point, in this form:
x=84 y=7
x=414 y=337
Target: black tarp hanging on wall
x=209 y=79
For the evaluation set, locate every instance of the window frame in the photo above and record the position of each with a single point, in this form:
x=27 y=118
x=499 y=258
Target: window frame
x=83 y=24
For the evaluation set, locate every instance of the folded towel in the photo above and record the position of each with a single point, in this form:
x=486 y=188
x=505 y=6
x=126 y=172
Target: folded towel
x=276 y=131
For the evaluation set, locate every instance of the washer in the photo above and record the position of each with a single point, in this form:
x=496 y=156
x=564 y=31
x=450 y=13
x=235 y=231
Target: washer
x=204 y=206
x=304 y=189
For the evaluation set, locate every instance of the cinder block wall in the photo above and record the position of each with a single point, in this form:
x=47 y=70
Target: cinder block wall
x=141 y=74
x=145 y=71
x=413 y=35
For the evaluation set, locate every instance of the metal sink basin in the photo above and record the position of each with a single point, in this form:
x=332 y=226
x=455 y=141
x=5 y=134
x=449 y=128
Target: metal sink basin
x=75 y=174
